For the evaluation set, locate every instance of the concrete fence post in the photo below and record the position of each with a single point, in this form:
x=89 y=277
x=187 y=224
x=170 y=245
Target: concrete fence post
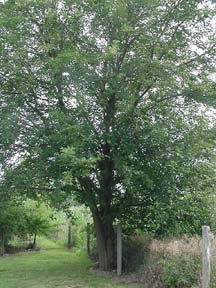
x=119 y=250
x=206 y=266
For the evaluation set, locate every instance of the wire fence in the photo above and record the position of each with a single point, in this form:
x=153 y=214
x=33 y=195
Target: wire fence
x=196 y=255
x=201 y=248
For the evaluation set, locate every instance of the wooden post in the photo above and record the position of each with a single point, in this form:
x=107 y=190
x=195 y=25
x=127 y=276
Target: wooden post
x=119 y=250
x=69 y=236
x=206 y=237
x=88 y=239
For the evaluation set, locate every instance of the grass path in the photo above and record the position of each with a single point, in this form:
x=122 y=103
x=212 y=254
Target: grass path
x=50 y=269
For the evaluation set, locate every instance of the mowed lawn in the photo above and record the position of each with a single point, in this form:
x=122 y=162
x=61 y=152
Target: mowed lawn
x=52 y=268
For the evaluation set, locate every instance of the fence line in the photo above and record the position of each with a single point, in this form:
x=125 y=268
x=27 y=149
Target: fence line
x=206 y=253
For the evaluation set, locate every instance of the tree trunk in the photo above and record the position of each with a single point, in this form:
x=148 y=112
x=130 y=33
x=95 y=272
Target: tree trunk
x=69 y=236
x=34 y=241
x=105 y=243
x=88 y=239
x=2 y=245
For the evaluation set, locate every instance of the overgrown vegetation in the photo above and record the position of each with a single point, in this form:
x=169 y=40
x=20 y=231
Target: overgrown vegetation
x=171 y=263
x=181 y=271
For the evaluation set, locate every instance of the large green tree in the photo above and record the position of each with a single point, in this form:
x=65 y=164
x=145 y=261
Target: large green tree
x=97 y=98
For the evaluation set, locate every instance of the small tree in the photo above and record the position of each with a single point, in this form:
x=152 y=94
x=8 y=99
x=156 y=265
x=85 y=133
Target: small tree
x=37 y=220
x=24 y=218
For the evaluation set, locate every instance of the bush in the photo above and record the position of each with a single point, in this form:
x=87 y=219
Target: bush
x=136 y=250
x=181 y=271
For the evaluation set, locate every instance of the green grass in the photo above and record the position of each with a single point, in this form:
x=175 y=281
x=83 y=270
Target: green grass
x=50 y=269
x=46 y=243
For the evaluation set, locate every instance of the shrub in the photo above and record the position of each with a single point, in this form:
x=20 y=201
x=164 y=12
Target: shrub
x=181 y=271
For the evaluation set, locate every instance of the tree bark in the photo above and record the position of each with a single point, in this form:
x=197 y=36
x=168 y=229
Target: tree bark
x=34 y=241
x=2 y=245
x=69 y=236
x=105 y=243
x=88 y=239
